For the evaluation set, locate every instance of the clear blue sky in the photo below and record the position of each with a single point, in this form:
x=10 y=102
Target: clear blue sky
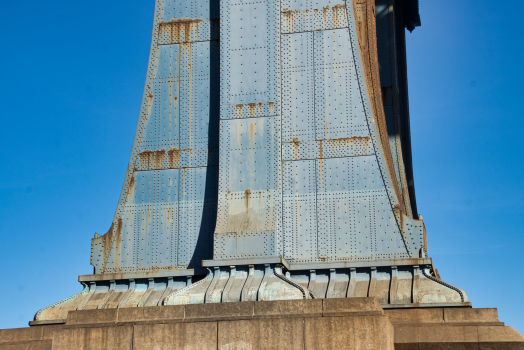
x=72 y=75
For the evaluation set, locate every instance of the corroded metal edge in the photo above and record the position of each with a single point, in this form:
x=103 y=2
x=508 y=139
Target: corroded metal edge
x=393 y=286
x=137 y=275
x=251 y=261
x=356 y=264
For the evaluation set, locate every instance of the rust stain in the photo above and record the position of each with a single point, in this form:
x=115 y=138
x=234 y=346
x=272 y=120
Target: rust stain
x=180 y=30
x=131 y=190
x=251 y=132
x=364 y=11
x=296 y=148
x=237 y=134
x=117 y=243
x=160 y=156
x=271 y=106
x=288 y=17
x=155 y=160
x=247 y=195
x=252 y=109
x=238 y=110
x=339 y=12
x=150 y=97
x=344 y=142
x=173 y=157
x=144 y=159
x=149 y=159
x=324 y=15
x=255 y=109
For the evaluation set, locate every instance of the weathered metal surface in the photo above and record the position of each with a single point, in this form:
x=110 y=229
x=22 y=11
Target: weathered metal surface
x=400 y=286
x=248 y=222
x=165 y=218
x=250 y=52
x=264 y=152
x=393 y=81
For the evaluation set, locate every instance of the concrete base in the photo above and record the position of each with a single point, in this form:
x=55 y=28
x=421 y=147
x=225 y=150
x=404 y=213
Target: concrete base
x=349 y=323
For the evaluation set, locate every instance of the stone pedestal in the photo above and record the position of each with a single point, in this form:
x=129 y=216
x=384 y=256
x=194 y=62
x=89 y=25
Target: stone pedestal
x=353 y=324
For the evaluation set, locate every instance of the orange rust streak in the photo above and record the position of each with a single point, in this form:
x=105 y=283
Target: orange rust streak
x=180 y=29
x=173 y=156
x=159 y=158
x=251 y=132
x=252 y=109
x=296 y=148
x=271 y=106
x=150 y=97
x=366 y=31
x=247 y=194
x=238 y=110
x=117 y=242
x=324 y=14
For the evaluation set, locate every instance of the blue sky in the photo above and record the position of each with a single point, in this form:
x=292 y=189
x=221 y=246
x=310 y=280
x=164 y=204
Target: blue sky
x=72 y=76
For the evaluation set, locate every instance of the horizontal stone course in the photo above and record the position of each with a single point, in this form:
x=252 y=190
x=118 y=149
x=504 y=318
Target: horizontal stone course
x=219 y=311
x=352 y=306
x=175 y=336
x=28 y=345
x=21 y=334
x=102 y=338
x=301 y=324
x=172 y=313
x=92 y=316
x=471 y=315
x=351 y=333
x=408 y=316
x=289 y=308
x=277 y=333
x=499 y=334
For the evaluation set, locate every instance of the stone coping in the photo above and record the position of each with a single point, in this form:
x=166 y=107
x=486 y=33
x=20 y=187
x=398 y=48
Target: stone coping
x=279 y=309
x=228 y=311
x=291 y=322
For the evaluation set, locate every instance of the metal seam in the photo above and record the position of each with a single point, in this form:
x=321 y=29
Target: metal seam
x=443 y=283
x=285 y=279
x=39 y=312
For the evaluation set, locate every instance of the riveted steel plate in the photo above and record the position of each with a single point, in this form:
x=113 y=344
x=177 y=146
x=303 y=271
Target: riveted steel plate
x=147 y=233
x=183 y=9
x=199 y=103
x=250 y=52
x=161 y=129
x=298 y=120
x=238 y=245
x=300 y=211
x=187 y=30
x=197 y=214
x=303 y=16
x=339 y=111
x=250 y=185
x=354 y=215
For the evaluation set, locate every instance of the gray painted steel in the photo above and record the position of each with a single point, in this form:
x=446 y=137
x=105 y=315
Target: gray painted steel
x=258 y=156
